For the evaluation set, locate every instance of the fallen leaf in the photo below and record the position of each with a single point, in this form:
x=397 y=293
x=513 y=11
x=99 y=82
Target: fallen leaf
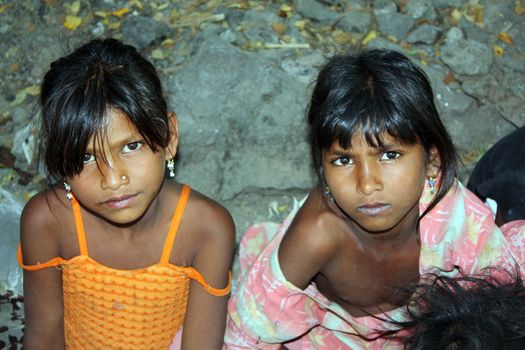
x=114 y=25
x=74 y=8
x=136 y=3
x=102 y=14
x=369 y=37
x=33 y=90
x=505 y=37
x=449 y=78
x=19 y=98
x=300 y=24
x=279 y=28
x=497 y=50
x=5 y=7
x=519 y=9
x=72 y=22
x=157 y=54
x=455 y=16
x=119 y=13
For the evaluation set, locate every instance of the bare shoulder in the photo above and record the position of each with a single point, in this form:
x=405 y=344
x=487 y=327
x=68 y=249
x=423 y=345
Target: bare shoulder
x=310 y=243
x=210 y=220
x=313 y=229
x=41 y=226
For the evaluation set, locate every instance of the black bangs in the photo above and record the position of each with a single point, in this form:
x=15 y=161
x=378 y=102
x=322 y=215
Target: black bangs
x=77 y=93
x=370 y=116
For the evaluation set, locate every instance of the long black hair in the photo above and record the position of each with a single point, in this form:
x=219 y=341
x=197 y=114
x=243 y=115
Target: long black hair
x=374 y=92
x=77 y=92
x=468 y=312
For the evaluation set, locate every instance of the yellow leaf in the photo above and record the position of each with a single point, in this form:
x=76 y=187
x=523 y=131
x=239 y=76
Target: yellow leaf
x=136 y=3
x=164 y=6
x=19 y=98
x=300 y=24
x=279 y=28
x=72 y=22
x=519 y=9
x=505 y=37
x=286 y=8
x=157 y=54
x=497 y=50
x=102 y=14
x=369 y=37
x=120 y=13
x=32 y=90
x=114 y=25
x=74 y=7
x=5 y=7
x=456 y=16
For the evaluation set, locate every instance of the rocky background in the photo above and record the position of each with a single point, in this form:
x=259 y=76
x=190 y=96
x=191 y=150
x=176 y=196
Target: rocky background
x=238 y=74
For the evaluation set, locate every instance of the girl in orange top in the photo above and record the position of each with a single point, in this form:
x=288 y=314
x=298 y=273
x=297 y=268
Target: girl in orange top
x=117 y=256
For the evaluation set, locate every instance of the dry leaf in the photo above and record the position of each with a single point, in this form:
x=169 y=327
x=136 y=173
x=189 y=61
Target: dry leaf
x=102 y=14
x=279 y=28
x=300 y=25
x=505 y=37
x=449 y=78
x=19 y=98
x=369 y=37
x=157 y=54
x=114 y=25
x=119 y=13
x=32 y=90
x=74 y=7
x=5 y=7
x=72 y=22
x=455 y=16
x=519 y=9
x=497 y=50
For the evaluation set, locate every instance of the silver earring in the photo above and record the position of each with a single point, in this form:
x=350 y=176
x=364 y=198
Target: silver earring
x=69 y=195
x=432 y=184
x=328 y=193
x=171 y=167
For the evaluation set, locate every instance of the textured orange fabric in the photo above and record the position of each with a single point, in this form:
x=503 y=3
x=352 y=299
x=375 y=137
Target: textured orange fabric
x=107 y=308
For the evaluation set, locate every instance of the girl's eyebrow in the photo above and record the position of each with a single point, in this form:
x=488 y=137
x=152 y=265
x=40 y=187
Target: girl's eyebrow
x=132 y=137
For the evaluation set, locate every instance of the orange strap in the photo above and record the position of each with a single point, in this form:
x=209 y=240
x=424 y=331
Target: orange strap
x=50 y=263
x=196 y=276
x=174 y=226
x=81 y=234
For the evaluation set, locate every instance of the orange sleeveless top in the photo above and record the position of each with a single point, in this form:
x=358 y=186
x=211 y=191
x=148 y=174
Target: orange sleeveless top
x=107 y=308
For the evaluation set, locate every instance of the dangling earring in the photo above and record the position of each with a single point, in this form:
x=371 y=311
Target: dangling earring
x=432 y=184
x=171 y=167
x=69 y=195
x=328 y=193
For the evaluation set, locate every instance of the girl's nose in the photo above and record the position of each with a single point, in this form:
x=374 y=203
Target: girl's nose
x=368 y=180
x=113 y=177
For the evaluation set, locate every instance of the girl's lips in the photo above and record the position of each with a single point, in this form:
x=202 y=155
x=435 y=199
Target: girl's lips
x=120 y=202
x=373 y=209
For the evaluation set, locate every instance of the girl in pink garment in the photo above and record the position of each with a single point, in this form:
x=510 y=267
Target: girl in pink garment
x=387 y=210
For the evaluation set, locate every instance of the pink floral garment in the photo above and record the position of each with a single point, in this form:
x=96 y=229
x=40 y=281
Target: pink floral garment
x=267 y=310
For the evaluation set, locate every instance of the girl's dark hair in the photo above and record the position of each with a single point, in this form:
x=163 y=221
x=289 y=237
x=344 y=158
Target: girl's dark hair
x=468 y=312
x=77 y=92
x=374 y=92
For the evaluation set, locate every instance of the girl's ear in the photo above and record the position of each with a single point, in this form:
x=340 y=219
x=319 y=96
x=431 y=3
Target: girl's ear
x=171 y=149
x=433 y=162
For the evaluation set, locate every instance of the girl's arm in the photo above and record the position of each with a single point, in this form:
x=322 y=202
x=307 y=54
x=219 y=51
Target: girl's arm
x=308 y=245
x=44 y=310
x=206 y=313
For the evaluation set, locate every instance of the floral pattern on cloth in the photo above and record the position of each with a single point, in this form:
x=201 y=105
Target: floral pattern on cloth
x=266 y=310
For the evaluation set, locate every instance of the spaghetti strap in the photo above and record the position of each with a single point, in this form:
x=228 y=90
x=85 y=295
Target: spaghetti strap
x=174 y=226
x=81 y=235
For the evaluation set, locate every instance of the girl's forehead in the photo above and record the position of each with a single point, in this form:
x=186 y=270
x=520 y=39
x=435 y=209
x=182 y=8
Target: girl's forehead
x=117 y=128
